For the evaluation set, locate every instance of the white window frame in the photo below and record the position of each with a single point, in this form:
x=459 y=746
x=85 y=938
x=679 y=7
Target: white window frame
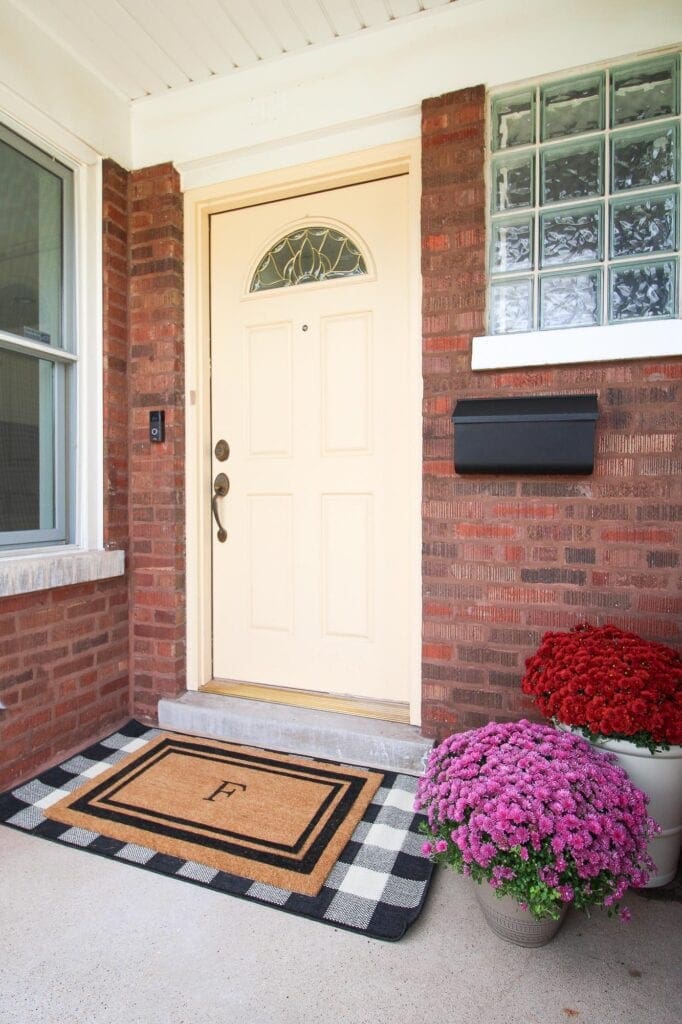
x=640 y=339
x=82 y=558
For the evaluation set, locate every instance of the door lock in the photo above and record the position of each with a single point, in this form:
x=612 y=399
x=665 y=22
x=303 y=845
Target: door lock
x=221 y=486
x=222 y=450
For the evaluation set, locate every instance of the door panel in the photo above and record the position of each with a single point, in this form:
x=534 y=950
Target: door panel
x=268 y=398
x=271 y=558
x=347 y=590
x=309 y=387
x=346 y=347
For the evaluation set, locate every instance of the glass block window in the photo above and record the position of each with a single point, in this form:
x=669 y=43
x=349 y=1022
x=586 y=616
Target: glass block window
x=585 y=199
x=306 y=255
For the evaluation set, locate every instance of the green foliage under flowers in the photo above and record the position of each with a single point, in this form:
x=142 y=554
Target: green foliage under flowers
x=639 y=739
x=542 y=900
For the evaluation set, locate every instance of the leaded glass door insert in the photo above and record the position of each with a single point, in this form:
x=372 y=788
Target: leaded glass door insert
x=308 y=254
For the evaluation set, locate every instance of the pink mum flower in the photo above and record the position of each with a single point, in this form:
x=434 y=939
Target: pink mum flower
x=506 y=798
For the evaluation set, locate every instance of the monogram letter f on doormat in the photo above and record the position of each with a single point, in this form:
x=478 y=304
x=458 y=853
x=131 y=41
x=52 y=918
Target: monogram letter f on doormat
x=274 y=818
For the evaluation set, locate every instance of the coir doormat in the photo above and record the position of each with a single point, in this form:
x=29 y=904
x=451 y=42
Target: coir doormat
x=375 y=878
x=273 y=818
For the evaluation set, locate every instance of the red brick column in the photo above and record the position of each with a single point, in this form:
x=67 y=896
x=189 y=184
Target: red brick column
x=506 y=558
x=157 y=494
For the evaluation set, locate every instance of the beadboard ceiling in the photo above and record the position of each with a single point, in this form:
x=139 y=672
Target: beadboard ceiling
x=147 y=47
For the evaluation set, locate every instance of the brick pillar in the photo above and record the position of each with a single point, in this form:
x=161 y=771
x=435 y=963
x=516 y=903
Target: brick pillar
x=157 y=495
x=453 y=271
x=507 y=558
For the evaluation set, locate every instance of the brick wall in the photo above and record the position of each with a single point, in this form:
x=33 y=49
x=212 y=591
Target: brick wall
x=506 y=558
x=157 y=483
x=64 y=653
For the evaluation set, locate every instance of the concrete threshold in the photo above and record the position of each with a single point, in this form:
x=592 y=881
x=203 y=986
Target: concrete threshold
x=351 y=739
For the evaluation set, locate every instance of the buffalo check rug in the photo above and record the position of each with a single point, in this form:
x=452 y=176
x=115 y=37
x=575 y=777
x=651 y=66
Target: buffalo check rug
x=377 y=881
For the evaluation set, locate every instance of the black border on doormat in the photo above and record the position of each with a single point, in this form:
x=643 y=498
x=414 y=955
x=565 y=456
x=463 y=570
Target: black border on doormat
x=377 y=887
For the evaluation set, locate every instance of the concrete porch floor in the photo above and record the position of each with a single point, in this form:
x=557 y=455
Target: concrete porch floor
x=87 y=941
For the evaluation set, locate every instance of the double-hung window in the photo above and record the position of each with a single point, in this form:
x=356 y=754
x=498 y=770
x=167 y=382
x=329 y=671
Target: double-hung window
x=37 y=345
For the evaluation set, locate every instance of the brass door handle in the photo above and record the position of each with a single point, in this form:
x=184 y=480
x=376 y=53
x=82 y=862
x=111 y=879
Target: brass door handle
x=221 y=486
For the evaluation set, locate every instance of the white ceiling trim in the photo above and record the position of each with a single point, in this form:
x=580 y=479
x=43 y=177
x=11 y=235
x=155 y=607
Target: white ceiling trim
x=366 y=133
x=147 y=48
x=322 y=93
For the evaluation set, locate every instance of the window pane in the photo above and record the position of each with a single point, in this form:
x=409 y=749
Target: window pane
x=514 y=120
x=572 y=236
x=645 y=91
x=645 y=157
x=511 y=306
x=27 y=472
x=643 y=290
x=571 y=108
x=512 y=183
x=31 y=247
x=512 y=247
x=570 y=300
x=572 y=172
x=642 y=225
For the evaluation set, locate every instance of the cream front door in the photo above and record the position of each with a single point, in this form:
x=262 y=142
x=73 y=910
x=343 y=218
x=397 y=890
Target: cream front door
x=310 y=391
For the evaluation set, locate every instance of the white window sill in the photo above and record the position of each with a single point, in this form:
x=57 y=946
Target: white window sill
x=646 y=339
x=24 y=572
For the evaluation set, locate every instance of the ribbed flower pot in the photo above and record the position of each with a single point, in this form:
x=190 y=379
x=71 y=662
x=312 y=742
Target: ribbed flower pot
x=505 y=918
x=658 y=775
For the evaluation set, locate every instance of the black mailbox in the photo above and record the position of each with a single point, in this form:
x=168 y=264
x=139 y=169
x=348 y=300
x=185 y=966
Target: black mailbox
x=548 y=434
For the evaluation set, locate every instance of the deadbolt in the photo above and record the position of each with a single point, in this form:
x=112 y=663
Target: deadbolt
x=222 y=450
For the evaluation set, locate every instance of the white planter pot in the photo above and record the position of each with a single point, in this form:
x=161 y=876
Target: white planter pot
x=660 y=776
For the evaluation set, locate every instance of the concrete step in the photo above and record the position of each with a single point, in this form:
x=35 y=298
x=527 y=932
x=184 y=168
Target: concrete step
x=347 y=738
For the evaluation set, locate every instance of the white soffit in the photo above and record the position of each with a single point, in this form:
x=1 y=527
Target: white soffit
x=48 y=93
x=225 y=88
x=149 y=47
x=308 y=105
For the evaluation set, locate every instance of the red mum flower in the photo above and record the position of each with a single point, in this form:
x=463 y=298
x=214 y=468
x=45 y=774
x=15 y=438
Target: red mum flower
x=610 y=682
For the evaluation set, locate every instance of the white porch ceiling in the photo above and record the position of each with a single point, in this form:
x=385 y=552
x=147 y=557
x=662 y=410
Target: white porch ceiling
x=148 y=47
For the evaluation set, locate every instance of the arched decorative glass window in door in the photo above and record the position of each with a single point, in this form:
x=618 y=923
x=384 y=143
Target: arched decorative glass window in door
x=308 y=254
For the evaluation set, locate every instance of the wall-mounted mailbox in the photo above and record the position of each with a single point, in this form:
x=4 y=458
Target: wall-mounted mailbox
x=547 y=434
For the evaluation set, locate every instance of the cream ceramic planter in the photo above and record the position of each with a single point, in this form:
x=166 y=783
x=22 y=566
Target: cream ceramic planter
x=506 y=919
x=660 y=776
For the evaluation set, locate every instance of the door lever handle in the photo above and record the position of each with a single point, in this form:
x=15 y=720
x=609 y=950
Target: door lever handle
x=221 y=486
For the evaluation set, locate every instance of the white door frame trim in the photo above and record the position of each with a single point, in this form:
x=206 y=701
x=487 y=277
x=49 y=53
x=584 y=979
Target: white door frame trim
x=200 y=204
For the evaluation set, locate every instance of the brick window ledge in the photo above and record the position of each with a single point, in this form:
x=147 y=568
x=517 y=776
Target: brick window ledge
x=24 y=572
x=645 y=339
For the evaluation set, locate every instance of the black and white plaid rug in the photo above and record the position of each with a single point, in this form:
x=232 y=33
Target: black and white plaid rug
x=377 y=886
